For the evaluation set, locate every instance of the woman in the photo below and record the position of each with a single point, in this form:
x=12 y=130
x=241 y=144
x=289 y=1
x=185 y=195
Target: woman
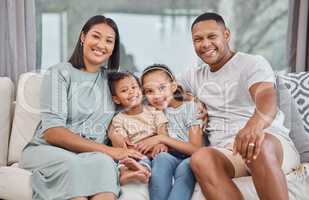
x=67 y=155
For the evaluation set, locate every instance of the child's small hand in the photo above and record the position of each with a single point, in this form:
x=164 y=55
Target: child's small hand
x=147 y=144
x=202 y=112
x=132 y=153
x=158 y=149
x=129 y=144
x=122 y=153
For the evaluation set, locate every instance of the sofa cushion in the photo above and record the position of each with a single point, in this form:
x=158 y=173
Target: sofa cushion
x=298 y=184
x=15 y=184
x=293 y=119
x=6 y=99
x=136 y=191
x=26 y=114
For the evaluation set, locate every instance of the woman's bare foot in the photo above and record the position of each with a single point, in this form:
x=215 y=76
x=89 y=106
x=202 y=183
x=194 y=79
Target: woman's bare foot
x=127 y=175
x=133 y=165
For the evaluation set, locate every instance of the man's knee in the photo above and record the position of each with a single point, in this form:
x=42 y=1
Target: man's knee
x=271 y=153
x=204 y=160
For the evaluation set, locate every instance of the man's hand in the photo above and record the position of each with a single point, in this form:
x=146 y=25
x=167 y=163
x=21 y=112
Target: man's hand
x=249 y=139
x=248 y=142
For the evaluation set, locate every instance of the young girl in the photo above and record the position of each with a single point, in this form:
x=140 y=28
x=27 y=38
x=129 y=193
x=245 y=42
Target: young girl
x=133 y=123
x=185 y=136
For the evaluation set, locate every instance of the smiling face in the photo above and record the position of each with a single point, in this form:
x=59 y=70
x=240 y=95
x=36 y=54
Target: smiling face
x=210 y=41
x=158 y=89
x=128 y=93
x=98 y=44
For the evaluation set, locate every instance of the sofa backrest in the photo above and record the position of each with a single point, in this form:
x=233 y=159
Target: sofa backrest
x=6 y=100
x=26 y=115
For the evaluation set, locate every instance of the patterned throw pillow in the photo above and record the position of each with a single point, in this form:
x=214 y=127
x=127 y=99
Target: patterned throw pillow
x=298 y=84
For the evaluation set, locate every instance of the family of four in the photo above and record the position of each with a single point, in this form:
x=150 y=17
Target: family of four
x=159 y=139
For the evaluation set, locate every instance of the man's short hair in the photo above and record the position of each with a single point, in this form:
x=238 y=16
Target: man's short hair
x=209 y=16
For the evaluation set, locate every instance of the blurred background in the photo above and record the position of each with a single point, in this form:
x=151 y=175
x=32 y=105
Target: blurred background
x=158 y=31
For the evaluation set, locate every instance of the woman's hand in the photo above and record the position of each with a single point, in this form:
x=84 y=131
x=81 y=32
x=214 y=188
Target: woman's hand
x=147 y=144
x=122 y=153
x=158 y=149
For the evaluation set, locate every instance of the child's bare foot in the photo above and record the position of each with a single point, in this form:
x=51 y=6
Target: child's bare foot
x=135 y=166
x=127 y=176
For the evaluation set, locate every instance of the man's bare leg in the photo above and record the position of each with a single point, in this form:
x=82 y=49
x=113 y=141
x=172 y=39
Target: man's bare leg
x=214 y=173
x=268 y=177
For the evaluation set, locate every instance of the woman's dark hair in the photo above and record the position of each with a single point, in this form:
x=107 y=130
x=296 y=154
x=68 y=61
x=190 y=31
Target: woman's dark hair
x=77 y=58
x=209 y=16
x=114 y=77
x=179 y=93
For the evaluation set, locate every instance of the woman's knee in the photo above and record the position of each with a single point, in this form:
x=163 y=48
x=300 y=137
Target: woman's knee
x=72 y=165
x=102 y=160
x=76 y=163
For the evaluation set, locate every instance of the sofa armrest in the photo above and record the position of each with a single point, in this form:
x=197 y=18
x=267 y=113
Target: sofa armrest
x=6 y=99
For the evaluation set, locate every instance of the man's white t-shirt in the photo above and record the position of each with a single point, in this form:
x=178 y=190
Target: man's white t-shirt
x=227 y=97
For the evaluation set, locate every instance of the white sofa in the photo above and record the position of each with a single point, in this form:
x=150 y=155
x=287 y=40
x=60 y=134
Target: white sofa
x=18 y=121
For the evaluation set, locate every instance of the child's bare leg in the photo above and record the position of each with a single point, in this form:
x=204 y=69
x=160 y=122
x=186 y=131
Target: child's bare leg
x=135 y=166
x=127 y=175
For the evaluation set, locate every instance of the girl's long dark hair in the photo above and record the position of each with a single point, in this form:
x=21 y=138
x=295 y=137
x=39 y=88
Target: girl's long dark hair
x=179 y=93
x=77 y=58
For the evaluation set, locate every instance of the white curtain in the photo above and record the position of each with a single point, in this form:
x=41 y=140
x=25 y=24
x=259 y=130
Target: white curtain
x=17 y=37
x=298 y=36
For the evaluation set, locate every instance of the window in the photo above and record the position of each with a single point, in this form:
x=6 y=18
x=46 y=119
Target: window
x=158 y=31
x=54 y=37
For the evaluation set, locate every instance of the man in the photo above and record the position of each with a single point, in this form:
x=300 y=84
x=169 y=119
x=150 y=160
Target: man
x=245 y=127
